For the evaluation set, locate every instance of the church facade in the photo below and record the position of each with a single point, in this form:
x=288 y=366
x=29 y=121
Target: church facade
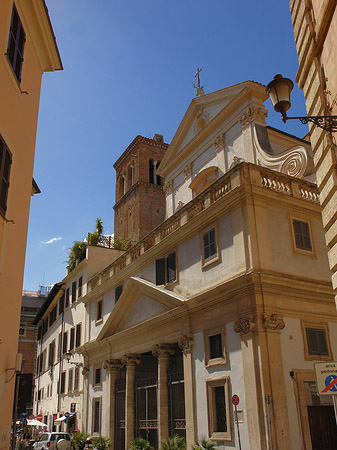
x=230 y=295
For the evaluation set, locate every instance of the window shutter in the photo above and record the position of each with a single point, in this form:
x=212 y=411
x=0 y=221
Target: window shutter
x=5 y=166
x=160 y=271
x=171 y=267
x=72 y=338
x=61 y=304
x=78 y=335
x=312 y=342
x=118 y=293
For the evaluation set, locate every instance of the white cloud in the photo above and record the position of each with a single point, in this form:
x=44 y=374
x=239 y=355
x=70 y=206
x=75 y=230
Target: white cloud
x=51 y=241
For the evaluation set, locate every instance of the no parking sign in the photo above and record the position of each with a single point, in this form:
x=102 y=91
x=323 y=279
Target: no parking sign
x=326 y=378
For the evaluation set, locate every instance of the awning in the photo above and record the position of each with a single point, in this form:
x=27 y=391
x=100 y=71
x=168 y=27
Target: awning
x=35 y=423
x=63 y=418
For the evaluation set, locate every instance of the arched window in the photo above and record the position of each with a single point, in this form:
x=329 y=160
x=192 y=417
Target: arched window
x=131 y=175
x=153 y=177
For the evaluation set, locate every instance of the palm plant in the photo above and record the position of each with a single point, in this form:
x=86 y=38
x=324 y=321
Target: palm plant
x=78 y=437
x=100 y=443
x=204 y=444
x=99 y=226
x=174 y=443
x=140 y=444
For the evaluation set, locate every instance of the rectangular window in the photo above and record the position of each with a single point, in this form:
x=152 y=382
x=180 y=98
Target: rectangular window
x=5 y=167
x=77 y=379
x=209 y=246
x=118 y=293
x=63 y=383
x=166 y=271
x=302 y=236
x=218 y=409
x=72 y=338
x=16 y=44
x=67 y=297
x=70 y=379
x=61 y=304
x=96 y=415
x=317 y=344
x=51 y=355
x=60 y=346
x=79 y=289
x=73 y=292
x=215 y=346
x=78 y=335
x=97 y=376
x=99 y=310
x=65 y=342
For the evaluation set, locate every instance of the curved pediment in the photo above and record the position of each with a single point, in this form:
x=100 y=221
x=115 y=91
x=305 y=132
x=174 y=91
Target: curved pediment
x=204 y=179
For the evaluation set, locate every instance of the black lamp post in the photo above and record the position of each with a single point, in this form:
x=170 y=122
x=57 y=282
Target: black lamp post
x=77 y=364
x=279 y=90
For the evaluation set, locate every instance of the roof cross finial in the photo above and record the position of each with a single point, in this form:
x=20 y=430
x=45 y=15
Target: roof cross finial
x=200 y=89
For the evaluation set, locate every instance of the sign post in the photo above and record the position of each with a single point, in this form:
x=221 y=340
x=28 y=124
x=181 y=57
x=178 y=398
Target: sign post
x=326 y=380
x=236 y=401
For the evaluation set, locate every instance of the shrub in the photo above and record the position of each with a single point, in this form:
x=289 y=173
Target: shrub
x=174 y=443
x=77 y=252
x=204 y=444
x=100 y=443
x=140 y=444
x=78 y=438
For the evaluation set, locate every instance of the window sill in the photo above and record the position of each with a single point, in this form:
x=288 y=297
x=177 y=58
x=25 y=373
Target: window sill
x=216 y=362
x=208 y=263
x=99 y=322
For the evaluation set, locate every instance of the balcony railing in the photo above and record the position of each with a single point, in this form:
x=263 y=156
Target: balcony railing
x=242 y=174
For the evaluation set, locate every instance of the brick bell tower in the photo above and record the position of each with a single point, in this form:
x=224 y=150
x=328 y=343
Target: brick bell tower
x=140 y=199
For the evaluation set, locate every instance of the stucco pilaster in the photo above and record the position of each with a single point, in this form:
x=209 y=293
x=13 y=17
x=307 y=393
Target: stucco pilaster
x=130 y=360
x=112 y=368
x=186 y=344
x=85 y=373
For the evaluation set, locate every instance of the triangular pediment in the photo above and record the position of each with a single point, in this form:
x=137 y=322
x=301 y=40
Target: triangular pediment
x=140 y=301
x=202 y=112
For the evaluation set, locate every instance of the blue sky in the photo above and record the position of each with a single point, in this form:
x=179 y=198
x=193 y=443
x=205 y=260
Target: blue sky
x=128 y=70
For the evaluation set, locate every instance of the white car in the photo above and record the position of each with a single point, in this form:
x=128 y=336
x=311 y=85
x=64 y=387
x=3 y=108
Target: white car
x=53 y=441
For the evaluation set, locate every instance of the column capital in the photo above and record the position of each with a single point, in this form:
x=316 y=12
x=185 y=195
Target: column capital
x=244 y=325
x=85 y=372
x=111 y=365
x=131 y=359
x=273 y=322
x=162 y=350
x=186 y=343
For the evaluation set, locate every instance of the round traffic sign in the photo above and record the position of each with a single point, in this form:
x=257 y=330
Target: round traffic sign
x=67 y=415
x=31 y=417
x=330 y=383
x=39 y=417
x=235 y=400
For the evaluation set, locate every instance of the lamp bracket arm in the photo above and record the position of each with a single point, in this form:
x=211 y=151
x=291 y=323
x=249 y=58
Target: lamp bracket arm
x=327 y=123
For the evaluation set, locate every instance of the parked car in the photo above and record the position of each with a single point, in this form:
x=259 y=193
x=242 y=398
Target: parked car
x=53 y=441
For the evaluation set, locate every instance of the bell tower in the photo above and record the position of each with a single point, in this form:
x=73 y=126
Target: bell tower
x=140 y=199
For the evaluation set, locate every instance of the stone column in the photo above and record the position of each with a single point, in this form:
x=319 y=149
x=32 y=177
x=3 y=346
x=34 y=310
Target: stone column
x=186 y=344
x=130 y=360
x=112 y=368
x=162 y=352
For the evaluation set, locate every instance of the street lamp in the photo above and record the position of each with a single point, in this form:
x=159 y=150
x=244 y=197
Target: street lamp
x=77 y=364
x=279 y=90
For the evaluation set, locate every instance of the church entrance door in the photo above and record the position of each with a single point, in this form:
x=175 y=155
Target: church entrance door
x=146 y=419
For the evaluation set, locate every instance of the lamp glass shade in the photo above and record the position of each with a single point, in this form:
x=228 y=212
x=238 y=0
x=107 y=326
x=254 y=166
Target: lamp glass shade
x=279 y=90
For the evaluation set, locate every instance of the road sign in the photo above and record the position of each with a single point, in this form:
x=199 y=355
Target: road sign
x=67 y=415
x=326 y=377
x=24 y=415
x=31 y=417
x=39 y=417
x=235 y=400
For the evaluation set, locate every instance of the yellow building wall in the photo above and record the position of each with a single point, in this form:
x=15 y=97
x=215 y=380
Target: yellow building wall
x=18 y=123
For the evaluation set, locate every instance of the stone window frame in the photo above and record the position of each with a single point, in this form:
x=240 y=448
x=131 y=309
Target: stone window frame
x=215 y=258
x=318 y=326
x=209 y=362
x=94 y=383
x=94 y=401
x=99 y=320
x=210 y=385
x=301 y=251
x=16 y=42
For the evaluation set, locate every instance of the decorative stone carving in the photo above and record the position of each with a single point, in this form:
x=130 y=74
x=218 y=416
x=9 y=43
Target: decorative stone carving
x=199 y=112
x=272 y=322
x=168 y=187
x=219 y=142
x=244 y=325
x=161 y=350
x=180 y=205
x=253 y=113
x=113 y=364
x=186 y=343
x=188 y=170
x=85 y=372
x=236 y=160
x=131 y=359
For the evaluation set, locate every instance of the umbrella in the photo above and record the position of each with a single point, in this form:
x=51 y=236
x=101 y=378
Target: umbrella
x=36 y=423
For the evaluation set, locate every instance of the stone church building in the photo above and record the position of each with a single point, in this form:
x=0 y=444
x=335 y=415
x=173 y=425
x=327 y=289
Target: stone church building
x=226 y=290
